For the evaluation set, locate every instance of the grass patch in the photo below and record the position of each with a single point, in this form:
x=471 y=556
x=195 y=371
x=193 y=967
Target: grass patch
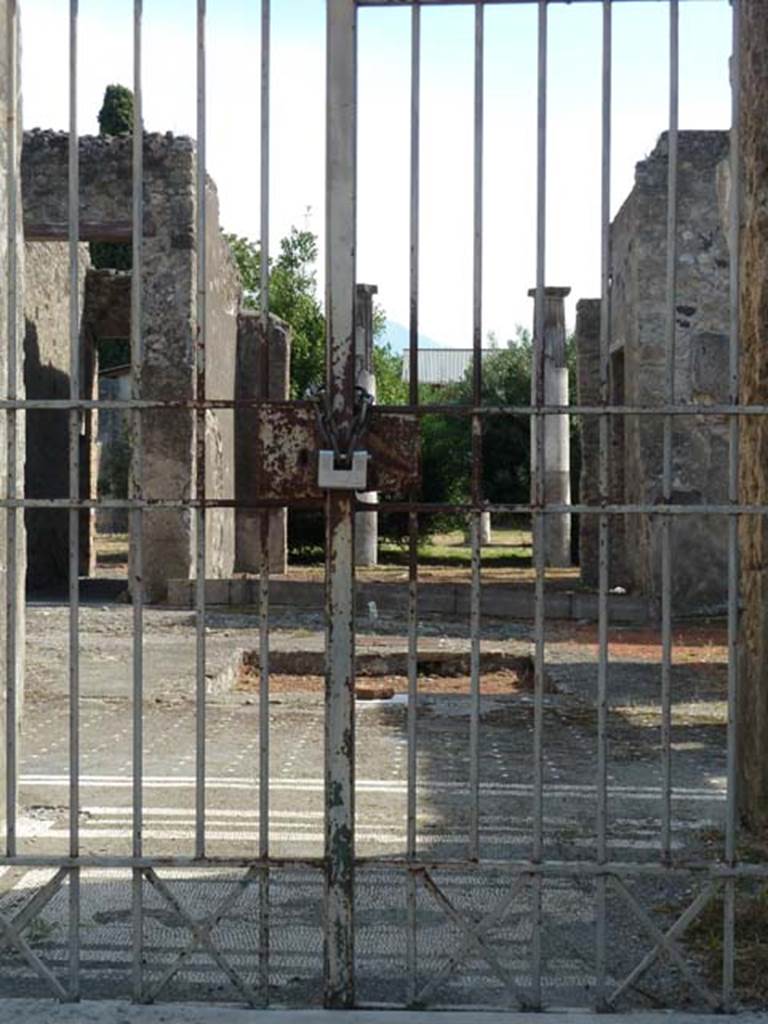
x=508 y=548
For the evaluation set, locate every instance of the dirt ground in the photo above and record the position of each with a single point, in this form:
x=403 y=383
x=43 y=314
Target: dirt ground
x=379 y=687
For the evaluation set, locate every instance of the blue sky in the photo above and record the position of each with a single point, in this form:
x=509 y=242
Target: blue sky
x=640 y=114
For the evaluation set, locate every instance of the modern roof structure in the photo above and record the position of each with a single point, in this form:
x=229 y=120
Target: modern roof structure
x=440 y=365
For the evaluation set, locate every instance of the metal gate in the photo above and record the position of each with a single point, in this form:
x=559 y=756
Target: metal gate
x=418 y=886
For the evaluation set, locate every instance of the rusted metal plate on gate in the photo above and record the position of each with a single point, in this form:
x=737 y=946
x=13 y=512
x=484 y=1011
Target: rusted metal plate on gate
x=288 y=440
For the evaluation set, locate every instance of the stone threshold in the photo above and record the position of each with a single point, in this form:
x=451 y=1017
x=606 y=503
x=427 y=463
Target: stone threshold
x=34 y=1011
x=497 y=600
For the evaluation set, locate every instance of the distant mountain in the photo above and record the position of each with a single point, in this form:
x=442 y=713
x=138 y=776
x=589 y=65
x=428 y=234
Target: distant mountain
x=398 y=337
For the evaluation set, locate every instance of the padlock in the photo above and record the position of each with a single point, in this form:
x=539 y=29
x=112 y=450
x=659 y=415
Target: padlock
x=350 y=478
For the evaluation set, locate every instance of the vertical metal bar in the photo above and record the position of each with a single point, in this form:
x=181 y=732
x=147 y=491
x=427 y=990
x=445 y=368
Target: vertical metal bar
x=75 y=514
x=266 y=53
x=264 y=520
x=264 y=900
x=733 y=524
x=666 y=524
x=413 y=697
x=341 y=177
x=604 y=520
x=264 y=904
x=137 y=493
x=413 y=351
x=200 y=460
x=413 y=522
x=539 y=498
x=11 y=609
x=477 y=206
x=477 y=440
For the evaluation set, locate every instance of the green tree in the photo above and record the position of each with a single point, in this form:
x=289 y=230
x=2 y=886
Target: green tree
x=293 y=297
x=115 y=118
x=116 y=114
x=507 y=439
x=391 y=389
x=506 y=452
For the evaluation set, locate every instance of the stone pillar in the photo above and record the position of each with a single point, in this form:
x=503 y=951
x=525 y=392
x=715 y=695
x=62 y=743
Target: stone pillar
x=485 y=528
x=366 y=523
x=263 y=371
x=753 y=691
x=10 y=118
x=557 y=458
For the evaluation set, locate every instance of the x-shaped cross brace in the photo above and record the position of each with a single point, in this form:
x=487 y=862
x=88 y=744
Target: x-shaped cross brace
x=201 y=935
x=12 y=931
x=475 y=934
x=665 y=941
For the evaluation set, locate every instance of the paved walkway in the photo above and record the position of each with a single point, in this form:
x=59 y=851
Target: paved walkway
x=294 y=894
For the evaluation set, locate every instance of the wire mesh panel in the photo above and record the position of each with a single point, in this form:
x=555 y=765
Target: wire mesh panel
x=522 y=848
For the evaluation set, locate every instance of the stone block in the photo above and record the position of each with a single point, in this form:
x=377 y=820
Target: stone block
x=709 y=354
x=217 y=592
x=262 y=371
x=180 y=593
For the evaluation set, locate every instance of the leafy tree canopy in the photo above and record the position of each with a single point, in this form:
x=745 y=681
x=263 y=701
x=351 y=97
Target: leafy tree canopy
x=506 y=451
x=116 y=114
x=293 y=298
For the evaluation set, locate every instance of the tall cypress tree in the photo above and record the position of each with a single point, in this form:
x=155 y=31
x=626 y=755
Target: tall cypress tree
x=115 y=118
x=116 y=114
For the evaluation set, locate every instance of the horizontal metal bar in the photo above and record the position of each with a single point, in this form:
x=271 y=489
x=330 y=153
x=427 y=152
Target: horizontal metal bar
x=553 y=868
x=443 y=409
x=570 y=869
x=587 y=510
x=141 y=863
x=454 y=409
x=391 y=506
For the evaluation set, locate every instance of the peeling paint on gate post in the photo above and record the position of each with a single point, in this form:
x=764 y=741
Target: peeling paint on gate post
x=12 y=535
x=339 y=516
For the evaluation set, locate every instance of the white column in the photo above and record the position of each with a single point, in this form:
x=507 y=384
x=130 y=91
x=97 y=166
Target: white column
x=366 y=523
x=557 y=452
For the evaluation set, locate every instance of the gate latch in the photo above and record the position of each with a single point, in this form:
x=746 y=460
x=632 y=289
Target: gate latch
x=341 y=466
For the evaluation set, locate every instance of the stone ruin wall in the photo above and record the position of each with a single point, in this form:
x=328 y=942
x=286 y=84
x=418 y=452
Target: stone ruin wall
x=169 y=322
x=638 y=375
x=46 y=375
x=752 y=716
x=263 y=371
x=223 y=305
